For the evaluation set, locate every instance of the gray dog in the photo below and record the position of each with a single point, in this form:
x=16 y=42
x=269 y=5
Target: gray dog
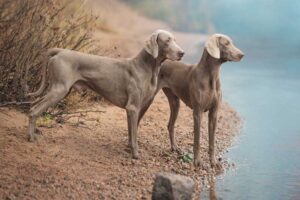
x=199 y=87
x=126 y=83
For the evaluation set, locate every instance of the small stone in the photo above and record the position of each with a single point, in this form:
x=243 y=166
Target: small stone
x=172 y=187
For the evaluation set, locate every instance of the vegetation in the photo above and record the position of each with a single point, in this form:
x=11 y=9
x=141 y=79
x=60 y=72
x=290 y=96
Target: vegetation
x=27 y=29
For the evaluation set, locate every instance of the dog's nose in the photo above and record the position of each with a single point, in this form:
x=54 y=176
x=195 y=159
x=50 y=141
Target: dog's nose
x=241 y=55
x=181 y=53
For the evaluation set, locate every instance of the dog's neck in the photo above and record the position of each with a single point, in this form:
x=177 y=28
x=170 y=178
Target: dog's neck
x=149 y=60
x=151 y=63
x=210 y=65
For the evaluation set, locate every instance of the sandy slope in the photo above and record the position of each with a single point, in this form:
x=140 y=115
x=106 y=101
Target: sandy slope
x=92 y=160
x=128 y=30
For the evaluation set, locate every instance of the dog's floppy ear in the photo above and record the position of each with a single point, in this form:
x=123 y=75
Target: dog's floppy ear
x=152 y=45
x=212 y=46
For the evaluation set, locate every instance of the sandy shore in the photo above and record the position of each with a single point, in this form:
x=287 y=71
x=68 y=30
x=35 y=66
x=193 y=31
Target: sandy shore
x=93 y=160
x=87 y=157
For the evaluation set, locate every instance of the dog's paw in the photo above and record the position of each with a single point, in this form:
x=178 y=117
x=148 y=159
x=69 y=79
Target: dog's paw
x=212 y=162
x=135 y=155
x=217 y=166
x=31 y=138
x=176 y=149
x=197 y=163
x=38 y=131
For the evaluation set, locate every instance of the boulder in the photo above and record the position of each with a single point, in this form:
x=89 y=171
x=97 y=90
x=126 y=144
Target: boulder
x=168 y=186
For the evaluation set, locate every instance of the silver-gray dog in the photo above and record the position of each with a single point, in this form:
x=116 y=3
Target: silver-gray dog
x=199 y=87
x=126 y=83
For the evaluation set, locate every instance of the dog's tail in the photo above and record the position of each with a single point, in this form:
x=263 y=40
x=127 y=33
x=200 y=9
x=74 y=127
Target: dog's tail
x=48 y=54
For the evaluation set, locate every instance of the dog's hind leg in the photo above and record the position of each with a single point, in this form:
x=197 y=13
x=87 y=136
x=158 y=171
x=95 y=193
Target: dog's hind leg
x=174 y=107
x=56 y=93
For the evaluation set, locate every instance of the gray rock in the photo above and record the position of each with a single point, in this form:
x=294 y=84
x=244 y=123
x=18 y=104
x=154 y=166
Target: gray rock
x=169 y=186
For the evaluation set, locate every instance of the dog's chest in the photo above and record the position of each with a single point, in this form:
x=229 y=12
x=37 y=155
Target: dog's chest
x=209 y=93
x=209 y=99
x=149 y=94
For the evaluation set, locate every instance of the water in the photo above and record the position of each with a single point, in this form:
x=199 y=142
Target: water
x=265 y=89
x=267 y=153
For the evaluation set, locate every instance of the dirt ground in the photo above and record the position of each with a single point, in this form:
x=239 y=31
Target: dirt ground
x=87 y=157
x=91 y=160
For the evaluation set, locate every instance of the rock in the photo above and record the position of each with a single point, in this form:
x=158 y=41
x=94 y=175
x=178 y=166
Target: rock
x=168 y=186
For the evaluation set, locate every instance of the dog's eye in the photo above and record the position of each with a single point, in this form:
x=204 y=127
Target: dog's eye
x=168 y=40
x=227 y=43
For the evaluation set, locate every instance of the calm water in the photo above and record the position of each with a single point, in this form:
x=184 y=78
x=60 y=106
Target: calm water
x=265 y=89
x=266 y=93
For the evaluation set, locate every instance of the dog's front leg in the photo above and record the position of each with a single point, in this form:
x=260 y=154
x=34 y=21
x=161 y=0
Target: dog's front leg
x=212 y=124
x=197 y=114
x=132 y=120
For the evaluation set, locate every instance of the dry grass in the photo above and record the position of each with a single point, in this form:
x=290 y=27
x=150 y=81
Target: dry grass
x=27 y=28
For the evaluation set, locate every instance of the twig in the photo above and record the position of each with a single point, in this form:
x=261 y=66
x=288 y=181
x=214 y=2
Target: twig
x=15 y=103
x=85 y=111
x=81 y=125
x=77 y=112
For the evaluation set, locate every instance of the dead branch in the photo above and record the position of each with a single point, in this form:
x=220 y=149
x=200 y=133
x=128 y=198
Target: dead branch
x=79 y=112
x=28 y=28
x=15 y=103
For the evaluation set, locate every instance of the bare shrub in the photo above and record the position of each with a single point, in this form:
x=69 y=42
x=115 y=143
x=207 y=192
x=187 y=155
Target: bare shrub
x=27 y=29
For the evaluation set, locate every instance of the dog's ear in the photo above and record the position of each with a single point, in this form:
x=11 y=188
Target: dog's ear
x=212 y=46
x=152 y=45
